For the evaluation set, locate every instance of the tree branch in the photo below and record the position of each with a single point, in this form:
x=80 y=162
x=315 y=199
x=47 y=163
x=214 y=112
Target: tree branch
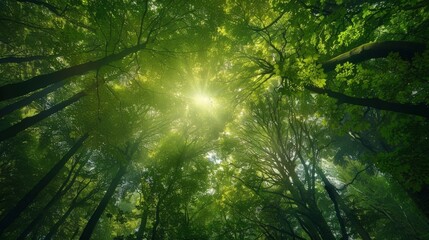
x=417 y=110
x=367 y=51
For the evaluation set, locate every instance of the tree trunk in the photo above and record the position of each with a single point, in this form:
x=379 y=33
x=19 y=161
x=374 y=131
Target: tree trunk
x=74 y=204
x=308 y=227
x=29 y=198
x=367 y=51
x=92 y=222
x=30 y=121
x=417 y=110
x=61 y=191
x=331 y=190
x=27 y=100
x=60 y=222
x=143 y=221
x=333 y=194
x=157 y=220
x=38 y=82
x=317 y=218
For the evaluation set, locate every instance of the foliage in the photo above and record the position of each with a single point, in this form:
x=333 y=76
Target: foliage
x=219 y=119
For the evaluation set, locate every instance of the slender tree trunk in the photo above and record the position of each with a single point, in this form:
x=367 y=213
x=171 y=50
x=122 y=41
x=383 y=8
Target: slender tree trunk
x=61 y=191
x=143 y=221
x=364 y=52
x=417 y=110
x=57 y=225
x=74 y=204
x=344 y=233
x=19 y=89
x=29 y=198
x=27 y=100
x=333 y=194
x=30 y=121
x=92 y=222
x=330 y=189
x=157 y=220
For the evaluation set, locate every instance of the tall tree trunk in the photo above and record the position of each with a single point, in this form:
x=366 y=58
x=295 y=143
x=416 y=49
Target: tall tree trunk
x=92 y=222
x=27 y=100
x=74 y=204
x=54 y=229
x=65 y=187
x=157 y=220
x=341 y=221
x=30 y=121
x=330 y=189
x=367 y=51
x=417 y=110
x=333 y=194
x=19 y=89
x=29 y=198
x=143 y=221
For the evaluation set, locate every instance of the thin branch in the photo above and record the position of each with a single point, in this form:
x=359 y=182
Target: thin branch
x=355 y=177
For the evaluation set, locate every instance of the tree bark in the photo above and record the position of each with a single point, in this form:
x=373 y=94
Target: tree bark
x=65 y=187
x=317 y=218
x=330 y=189
x=30 y=121
x=57 y=225
x=19 y=89
x=417 y=110
x=367 y=51
x=92 y=222
x=338 y=201
x=143 y=221
x=74 y=204
x=27 y=100
x=29 y=198
x=157 y=220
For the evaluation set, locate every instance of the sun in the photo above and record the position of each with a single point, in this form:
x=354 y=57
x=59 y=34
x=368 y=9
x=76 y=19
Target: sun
x=203 y=100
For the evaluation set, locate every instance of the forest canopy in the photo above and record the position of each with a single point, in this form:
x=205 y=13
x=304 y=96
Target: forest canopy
x=217 y=119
